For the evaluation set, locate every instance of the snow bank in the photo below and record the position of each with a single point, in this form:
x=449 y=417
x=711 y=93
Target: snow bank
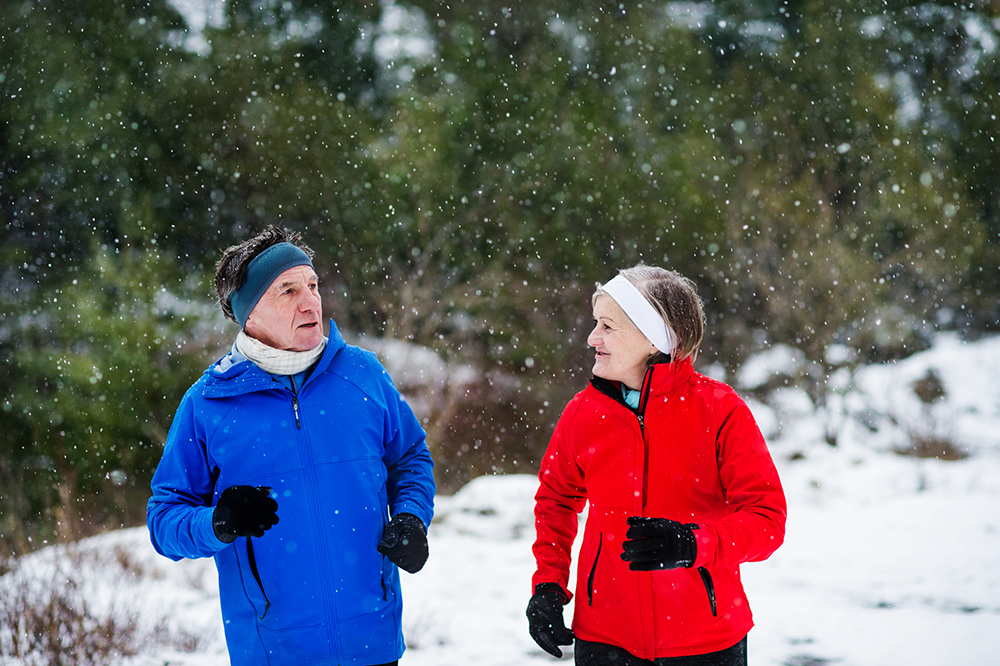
x=888 y=560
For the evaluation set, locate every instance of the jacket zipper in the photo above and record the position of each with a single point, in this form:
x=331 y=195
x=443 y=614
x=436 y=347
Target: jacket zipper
x=647 y=385
x=706 y=578
x=251 y=556
x=610 y=390
x=295 y=402
x=295 y=406
x=252 y=560
x=305 y=450
x=593 y=572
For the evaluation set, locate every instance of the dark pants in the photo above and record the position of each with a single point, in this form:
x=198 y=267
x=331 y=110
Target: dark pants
x=599 y=654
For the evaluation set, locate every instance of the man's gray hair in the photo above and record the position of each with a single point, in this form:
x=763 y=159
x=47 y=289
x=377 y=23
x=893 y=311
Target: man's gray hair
x=231 y=271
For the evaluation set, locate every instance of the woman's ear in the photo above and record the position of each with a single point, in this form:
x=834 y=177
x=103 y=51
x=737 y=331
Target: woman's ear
x=657 y=357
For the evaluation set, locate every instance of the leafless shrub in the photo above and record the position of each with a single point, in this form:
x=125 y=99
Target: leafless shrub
x=128 y=562
x=52 y=613
x=181 y=639
x=49 y=621
x=929 y=388
x=932 y=446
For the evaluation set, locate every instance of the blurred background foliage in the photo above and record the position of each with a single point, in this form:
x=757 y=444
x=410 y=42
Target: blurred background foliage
x=467 y=172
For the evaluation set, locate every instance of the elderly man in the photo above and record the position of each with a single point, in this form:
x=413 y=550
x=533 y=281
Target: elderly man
x=295 y=425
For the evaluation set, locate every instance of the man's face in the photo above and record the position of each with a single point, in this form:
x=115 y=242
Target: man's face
x=290 y=314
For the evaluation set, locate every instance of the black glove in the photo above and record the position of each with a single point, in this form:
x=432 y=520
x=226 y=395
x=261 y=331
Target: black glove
x=244 y=511
x=545 y=619
x=405 y=542
x=659 y=543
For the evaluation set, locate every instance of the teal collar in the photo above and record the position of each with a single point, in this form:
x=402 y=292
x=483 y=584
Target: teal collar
x=630 y=396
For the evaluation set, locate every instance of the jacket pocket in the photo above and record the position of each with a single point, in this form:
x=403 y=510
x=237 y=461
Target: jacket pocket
x=706 y=578
x=387 y=579
x=386 y=563
x=593 y=571
x=372 y=637
x=255 y=590
x=298 y=645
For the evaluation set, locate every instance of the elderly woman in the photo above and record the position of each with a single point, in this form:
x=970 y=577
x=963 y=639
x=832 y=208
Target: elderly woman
x=681 y=488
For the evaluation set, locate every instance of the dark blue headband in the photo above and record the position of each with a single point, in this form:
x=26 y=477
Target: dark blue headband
x=261 y=272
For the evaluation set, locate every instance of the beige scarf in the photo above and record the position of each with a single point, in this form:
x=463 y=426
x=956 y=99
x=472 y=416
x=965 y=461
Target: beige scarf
x=277 y=361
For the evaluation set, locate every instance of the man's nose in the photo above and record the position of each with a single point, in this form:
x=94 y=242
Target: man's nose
x=310 y=301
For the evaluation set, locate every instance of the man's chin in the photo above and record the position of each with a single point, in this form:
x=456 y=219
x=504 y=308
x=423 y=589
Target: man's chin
x=309 y=340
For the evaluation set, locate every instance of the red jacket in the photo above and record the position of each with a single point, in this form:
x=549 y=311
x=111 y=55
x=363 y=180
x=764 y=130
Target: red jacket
x=692 y=453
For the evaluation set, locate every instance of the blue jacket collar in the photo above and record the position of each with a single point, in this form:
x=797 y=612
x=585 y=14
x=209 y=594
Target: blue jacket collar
x=235 y=374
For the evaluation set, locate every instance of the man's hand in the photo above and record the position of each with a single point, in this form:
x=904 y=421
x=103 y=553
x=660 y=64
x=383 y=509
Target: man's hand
x=244 y=511
x=545 y=619
x=405 y=542
x=658 y=543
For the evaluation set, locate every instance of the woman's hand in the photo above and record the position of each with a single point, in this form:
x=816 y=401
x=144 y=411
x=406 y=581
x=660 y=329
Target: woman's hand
x=659 y=543
x=545 y=619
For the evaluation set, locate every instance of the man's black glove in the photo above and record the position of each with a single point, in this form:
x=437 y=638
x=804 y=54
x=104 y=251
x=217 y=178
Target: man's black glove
x=545 y=619
x=244 y=511
x=659 y=543
x=405 y=542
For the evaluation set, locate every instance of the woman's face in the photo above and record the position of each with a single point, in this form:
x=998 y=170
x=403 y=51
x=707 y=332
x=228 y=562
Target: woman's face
x=622 y=351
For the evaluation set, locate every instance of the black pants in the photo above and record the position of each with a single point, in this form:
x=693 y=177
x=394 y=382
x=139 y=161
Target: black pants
x=599 y=654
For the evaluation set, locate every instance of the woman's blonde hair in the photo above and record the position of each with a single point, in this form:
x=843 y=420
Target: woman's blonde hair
x=676 y=299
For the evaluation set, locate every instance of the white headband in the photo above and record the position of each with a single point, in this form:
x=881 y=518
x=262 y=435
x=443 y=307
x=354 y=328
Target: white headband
x=642 y=313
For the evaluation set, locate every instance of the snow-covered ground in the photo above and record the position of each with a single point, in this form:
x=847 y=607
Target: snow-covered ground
x=888 y=560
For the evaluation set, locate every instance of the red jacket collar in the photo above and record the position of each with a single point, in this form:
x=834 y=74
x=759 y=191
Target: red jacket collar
x=668 y=377
x=661 y=379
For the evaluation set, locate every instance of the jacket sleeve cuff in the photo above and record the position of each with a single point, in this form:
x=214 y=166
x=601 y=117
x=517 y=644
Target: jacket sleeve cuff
x=541 y=587
x=413 y=508
x=205 y=533
x=706 y=540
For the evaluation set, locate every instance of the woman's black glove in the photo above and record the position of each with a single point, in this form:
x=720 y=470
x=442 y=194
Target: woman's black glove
x=545 y=619
x=659 y=543
x=405 y=542
x=244 y=511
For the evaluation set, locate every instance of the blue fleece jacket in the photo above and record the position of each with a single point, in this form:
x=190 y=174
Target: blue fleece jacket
x=341 y=455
